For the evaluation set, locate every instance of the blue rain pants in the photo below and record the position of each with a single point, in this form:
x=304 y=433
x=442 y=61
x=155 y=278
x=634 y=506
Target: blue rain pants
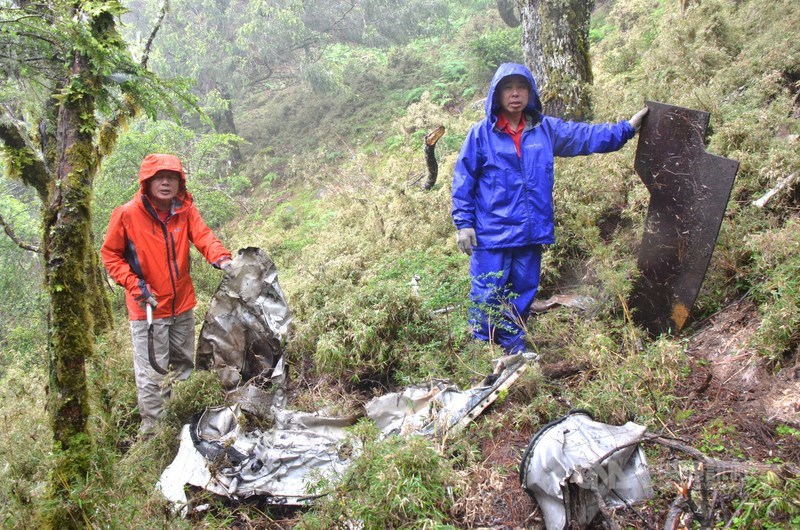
x=504 y=284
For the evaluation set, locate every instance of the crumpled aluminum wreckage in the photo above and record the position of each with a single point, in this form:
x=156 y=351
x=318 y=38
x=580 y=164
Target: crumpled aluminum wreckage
x=242 y=338
x=574 y=464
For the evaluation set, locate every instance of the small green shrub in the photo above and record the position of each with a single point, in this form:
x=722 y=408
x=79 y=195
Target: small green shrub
x=395 y=483
x=201 y=391
x=770 y=502
x=25 y=446
x=776 y=287
x=493 y=48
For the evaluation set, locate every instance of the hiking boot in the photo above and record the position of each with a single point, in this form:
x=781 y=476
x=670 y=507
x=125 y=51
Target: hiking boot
x=147 y=429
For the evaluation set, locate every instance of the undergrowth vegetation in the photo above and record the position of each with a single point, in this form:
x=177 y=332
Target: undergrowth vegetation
x=379 y=293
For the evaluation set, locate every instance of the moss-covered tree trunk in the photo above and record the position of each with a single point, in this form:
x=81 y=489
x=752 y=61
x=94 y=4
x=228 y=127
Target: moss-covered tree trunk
x=71 y=49
x=67 y=222
x=555 y=40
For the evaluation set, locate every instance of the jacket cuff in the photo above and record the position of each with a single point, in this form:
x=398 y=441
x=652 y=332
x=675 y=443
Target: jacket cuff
x=144 y=291
x=630 y=130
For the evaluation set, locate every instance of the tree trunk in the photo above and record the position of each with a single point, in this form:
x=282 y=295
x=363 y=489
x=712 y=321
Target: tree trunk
x=555 y=40
x=223 y=123
x=67 y=222
x=509 y=12
x=59 y=157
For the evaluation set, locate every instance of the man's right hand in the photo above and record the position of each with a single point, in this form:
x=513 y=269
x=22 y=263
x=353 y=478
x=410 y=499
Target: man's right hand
x=147 y=297
x=465 y=239
x=151 y=301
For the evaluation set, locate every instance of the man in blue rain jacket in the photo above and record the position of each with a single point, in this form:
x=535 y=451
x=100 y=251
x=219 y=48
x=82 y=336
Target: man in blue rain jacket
x=503 y=198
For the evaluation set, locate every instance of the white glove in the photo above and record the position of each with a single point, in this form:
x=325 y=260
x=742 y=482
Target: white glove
x=465 y=239
x=636 y=120
x=147 y=297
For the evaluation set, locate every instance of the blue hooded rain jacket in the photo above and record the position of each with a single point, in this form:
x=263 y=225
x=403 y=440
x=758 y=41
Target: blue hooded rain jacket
x=507 y=199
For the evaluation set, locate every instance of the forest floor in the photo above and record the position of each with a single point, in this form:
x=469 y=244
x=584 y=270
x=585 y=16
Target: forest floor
x=735 y=404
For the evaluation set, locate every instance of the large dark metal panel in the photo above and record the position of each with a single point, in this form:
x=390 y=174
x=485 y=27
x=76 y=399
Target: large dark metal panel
x=689 y=191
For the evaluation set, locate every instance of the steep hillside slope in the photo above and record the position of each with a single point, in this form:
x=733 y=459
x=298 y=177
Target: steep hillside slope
x=359 y=323
x=331 y=189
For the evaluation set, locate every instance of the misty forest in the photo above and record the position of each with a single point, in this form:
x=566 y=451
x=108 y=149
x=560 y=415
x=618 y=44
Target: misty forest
x=325 y=134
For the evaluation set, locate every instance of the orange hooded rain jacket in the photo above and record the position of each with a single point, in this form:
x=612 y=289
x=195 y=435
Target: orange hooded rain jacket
x=147 y=256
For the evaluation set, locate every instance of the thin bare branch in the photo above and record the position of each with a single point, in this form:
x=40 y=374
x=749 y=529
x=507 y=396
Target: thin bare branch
x=10 y=233
x=161 y=14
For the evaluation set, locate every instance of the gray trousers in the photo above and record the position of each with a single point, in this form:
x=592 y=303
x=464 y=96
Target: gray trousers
x=173 y=339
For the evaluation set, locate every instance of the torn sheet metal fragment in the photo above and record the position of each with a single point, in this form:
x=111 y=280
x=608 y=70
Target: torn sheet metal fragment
x=282 y=464
x=438 y=408
x=575 y=301
x=574 y=458
x=689 y=191
x=247 y=322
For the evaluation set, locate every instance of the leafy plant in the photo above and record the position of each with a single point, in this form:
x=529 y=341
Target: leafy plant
x=493 y=48
x=770 y=502
x=394 y=483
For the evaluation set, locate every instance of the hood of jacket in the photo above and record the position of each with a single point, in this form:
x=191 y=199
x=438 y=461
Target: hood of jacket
x=154 y=163
x=504 y=70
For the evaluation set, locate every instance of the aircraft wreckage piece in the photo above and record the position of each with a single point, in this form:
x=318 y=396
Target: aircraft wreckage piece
x=247 y=323
x=439 y=408
x=575 y=301
x=282 y=464
x=689 y=191
x=573 y=463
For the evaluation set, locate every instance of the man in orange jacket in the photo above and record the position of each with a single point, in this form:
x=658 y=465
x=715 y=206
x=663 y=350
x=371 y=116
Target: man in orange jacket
x=146 y=251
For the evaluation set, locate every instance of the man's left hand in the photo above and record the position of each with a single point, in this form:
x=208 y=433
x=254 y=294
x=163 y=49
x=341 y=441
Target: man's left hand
x=465 y=239
x=636 y=120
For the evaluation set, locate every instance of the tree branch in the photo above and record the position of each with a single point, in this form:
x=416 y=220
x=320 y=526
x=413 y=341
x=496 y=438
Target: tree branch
x=10 y=233
x=31 y=167
x=430 y=156
x=161 y=14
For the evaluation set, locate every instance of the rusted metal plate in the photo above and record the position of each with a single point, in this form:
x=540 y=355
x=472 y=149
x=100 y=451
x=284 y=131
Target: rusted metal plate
x=689 y=191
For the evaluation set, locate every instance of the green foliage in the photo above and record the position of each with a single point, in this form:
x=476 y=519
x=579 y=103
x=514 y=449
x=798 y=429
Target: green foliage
x=785 y=430
x=25 y=446
x=376 y=332
x=774 y=260
x=393 y=483
x=201 y=391
x=496 y=47
x=446 y=80
x=770 y=502
x=22 y=321
x=717 y=438
x=626 y=382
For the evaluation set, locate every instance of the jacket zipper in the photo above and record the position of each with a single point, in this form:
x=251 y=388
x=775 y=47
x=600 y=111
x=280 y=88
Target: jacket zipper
x=524 y=177
x=170 y=259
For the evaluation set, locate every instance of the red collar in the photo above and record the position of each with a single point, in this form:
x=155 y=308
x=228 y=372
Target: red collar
x=503 y=125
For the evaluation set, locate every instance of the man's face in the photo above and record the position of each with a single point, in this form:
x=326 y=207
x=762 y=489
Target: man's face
x=513 y=93
x=163 y=186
